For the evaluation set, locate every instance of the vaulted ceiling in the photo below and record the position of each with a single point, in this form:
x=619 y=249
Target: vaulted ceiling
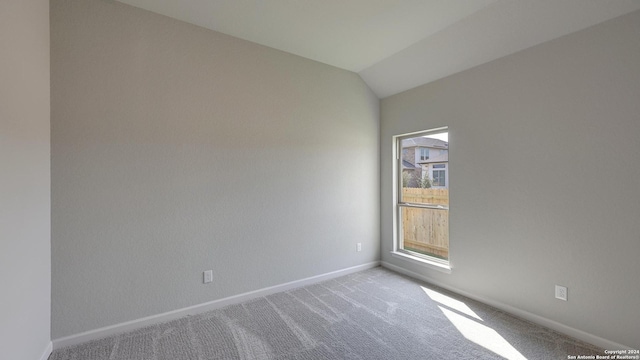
x=394 y=45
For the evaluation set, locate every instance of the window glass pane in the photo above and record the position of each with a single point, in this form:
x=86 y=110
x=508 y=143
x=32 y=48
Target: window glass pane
x=425 y=231
x=423 y=196
x=439 y=178
x=418 y=177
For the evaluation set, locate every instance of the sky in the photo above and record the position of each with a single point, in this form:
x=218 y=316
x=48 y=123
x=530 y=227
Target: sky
x=441 y=136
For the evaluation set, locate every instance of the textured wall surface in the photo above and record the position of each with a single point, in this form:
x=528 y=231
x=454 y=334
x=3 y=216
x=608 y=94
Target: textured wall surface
x=176 y=149
x=544 y=177
x=25 y=231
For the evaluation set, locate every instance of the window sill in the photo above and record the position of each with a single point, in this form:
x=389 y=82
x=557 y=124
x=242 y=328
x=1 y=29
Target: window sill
x=422 y=262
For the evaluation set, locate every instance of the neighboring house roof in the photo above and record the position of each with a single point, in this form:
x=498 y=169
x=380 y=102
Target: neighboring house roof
x=408 y=165
x=425 y=142
x=436 y=159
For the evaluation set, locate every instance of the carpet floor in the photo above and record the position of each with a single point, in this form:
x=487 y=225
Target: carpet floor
x=373 y=314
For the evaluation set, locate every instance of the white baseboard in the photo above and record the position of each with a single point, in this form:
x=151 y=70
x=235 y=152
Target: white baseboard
x=200 y=308
x=551 y=324
x=47 y=351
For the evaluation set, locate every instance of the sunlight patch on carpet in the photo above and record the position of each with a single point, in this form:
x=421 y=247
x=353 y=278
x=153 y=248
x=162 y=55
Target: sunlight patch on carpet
x=482 y=335
x=450 y=302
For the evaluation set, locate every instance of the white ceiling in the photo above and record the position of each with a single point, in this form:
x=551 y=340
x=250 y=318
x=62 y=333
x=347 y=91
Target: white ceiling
x=394 y=45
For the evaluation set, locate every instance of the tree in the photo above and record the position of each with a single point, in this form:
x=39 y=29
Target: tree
x=425 y=182
x=406 y=178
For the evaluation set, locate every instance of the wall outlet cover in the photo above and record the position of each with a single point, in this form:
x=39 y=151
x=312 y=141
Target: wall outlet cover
x=561 y=292
x=208 y=276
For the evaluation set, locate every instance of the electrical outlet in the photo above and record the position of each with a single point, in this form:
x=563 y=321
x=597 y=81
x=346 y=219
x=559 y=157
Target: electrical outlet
x=208 y=276
x=359 y=247
x=561 y=292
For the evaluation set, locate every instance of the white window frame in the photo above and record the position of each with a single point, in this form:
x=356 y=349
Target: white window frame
x=423 y=151
x=433 y=176
x=397 y=251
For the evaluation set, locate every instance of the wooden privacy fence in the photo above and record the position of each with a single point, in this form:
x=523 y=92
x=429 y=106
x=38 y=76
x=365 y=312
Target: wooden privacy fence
x=426 y=230
x=426 y=196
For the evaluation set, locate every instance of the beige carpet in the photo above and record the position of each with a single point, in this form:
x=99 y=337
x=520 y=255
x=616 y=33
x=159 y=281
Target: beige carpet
x=374 y=314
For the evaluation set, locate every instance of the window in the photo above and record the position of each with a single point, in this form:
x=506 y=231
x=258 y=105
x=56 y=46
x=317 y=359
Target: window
x=439 y=175
x=424 y=154
x=422 y=212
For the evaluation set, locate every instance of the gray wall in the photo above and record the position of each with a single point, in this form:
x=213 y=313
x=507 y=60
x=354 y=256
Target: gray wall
x=176 y=149
x=25 y=255
x=544 y=177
